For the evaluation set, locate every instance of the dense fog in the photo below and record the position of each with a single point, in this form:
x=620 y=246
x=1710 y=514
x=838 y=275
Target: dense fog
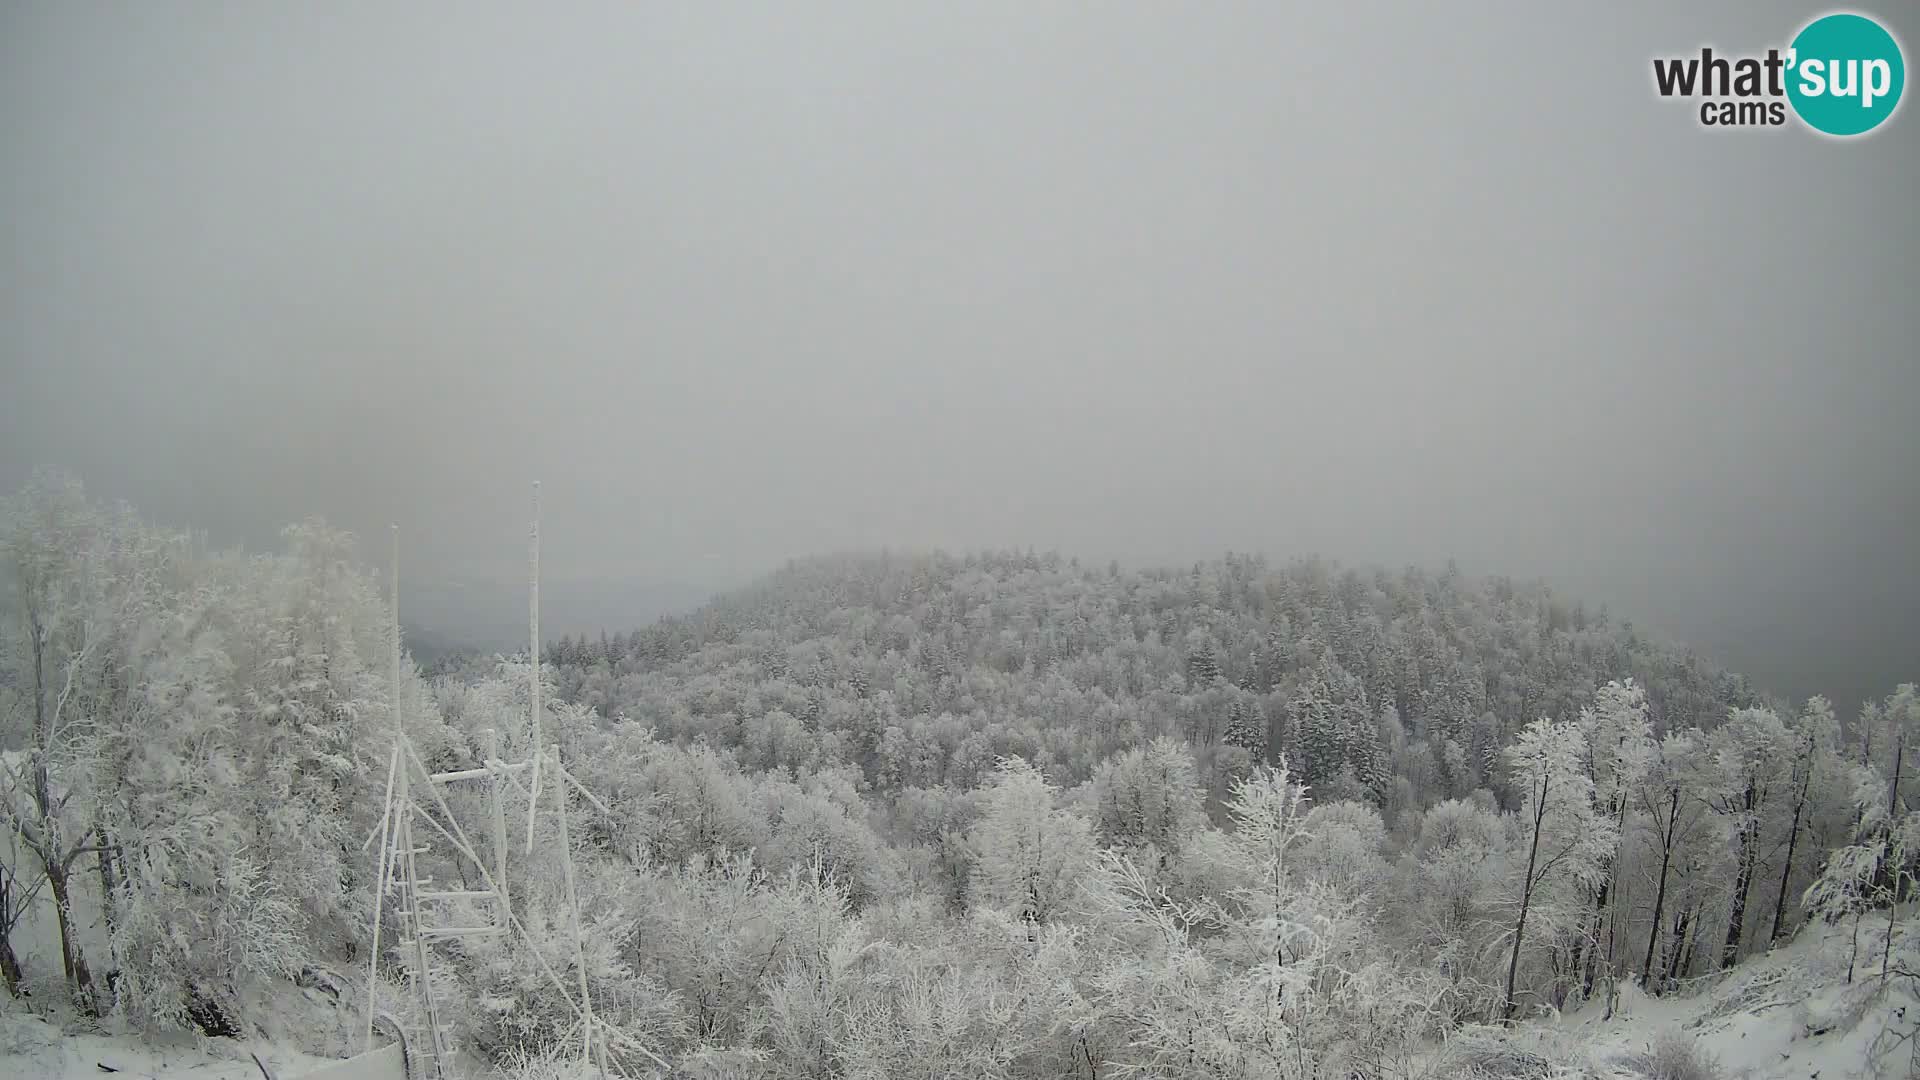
x=1153 y=285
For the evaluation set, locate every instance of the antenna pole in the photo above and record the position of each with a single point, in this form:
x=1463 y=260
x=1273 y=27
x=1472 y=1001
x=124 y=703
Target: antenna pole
x=573 y=901
x=380 y=892
x=533 y=656
x=395 y=607
x=393 y=768
x=499 y=825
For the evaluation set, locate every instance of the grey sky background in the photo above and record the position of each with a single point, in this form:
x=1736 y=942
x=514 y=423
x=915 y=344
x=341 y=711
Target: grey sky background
x=1388 y=282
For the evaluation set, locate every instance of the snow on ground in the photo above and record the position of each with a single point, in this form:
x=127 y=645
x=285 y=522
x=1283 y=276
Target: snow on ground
x=1790 y=1013
x=298 y=1029
x=32 y=1047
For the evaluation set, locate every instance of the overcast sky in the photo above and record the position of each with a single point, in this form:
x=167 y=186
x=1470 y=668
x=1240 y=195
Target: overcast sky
x=1392 y=283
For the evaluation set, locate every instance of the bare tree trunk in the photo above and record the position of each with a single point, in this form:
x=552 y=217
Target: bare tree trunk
x=1853 y=956
x=1613 y=964
x=72 y=957
x=1526 y=896
x=1893 y=908
x=1592 y=944
x=47 y=845
x=1742 y=882
x=1793 y=839
x=109 y=907
x=1679 y=947
x=9 y=963
x=1893 y=791
x=1737 y=915
x=10 y=966
x=1660 y=894
x=1894 y=898
x=1692 y=940
x=1587 y=943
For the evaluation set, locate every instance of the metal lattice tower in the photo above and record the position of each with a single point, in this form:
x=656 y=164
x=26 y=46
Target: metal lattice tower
x=425 y=912
x=413 y=799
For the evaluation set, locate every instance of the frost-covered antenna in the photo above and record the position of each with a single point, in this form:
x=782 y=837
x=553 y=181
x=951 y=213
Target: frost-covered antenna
x=393 y=767
x=427 y=914
x=395 y=609
x=533 y=655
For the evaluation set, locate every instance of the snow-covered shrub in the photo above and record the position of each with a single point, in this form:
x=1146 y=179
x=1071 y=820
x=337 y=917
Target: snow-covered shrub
x=200 y=937
x=1489 y=1059
x=1673 y=1056
x=912 y=1015
x=25 y=1035
x=521 y=994
x=1749 y=991
x=550 y=1063
x=817 y=978
x=1493 y=1053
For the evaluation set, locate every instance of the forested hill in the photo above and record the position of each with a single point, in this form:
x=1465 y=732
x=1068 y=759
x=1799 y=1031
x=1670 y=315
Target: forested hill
x=922 y=670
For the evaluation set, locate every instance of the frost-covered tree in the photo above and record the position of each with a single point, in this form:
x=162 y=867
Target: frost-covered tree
x=1814 y=735
x=1203 y=664
x=1567 y=843
x=1031 y=856
x=1269 y=811
x=1886 y=728
x=1344 y=847
x=1749 y=759
x=1670 y=811
x=1277 y=978
x=1148 y=796
x=1451 y=902
x=1247 y=727
x=201 y=732
x=1862 y=876
x=1333 y=729
x=1619 y=750
x=66 y=625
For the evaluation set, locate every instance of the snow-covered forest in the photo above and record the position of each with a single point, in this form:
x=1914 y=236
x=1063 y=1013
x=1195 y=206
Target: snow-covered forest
x=993 y=815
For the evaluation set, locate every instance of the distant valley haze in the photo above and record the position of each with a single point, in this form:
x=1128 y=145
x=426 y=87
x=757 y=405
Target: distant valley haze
x=491 y=615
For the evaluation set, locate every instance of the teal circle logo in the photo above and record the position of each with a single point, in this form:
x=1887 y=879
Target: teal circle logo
x=1845 y=74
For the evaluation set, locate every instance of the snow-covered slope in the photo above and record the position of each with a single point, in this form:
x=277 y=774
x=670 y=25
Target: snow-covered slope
x=297 y=1030
x=32 y=1047
x=1790 y=1013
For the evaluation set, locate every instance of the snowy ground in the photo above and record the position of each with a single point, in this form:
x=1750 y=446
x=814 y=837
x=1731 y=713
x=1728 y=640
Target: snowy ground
x=32 y=1047
x=1790 y=1013
x=298 y=1030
